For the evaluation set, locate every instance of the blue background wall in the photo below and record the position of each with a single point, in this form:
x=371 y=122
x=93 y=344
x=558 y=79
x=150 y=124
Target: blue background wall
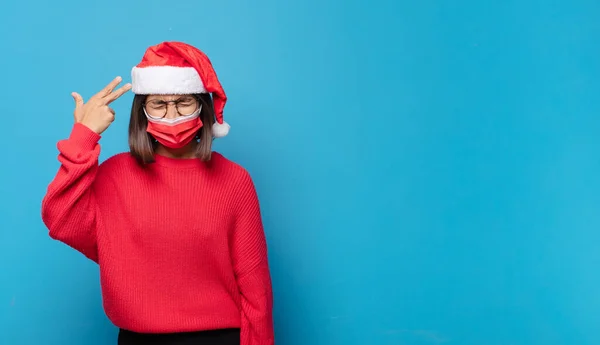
x=429 y=170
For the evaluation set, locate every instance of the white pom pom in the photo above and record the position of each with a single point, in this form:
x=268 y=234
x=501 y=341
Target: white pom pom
x=220 y=130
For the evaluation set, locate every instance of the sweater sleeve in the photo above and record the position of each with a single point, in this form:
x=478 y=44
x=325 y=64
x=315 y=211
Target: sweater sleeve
x=69 y=208
x=251 y=268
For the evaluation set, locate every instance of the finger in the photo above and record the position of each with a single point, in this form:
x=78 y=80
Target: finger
x=108 y=88
x=78 y=99
x=109 y=109
x=118 y=93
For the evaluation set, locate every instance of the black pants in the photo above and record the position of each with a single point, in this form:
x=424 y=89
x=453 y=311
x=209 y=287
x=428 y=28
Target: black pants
x=213 y=337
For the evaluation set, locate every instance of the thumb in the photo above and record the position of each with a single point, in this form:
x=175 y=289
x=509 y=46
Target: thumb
x=78 y=104
x=78 y=100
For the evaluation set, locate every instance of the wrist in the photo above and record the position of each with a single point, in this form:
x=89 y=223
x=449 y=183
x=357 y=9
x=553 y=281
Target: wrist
x=91 y=127
x=84 y=136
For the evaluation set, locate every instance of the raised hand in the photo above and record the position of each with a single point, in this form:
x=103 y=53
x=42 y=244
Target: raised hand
x=96 y=114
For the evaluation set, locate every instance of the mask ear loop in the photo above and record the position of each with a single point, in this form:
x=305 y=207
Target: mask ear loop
x=197 y=137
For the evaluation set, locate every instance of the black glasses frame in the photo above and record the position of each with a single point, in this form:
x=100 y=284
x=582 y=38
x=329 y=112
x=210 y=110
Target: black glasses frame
x=176 y=102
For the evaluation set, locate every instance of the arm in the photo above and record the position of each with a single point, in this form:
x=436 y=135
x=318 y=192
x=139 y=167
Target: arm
x=251 y=268
x=69 y=208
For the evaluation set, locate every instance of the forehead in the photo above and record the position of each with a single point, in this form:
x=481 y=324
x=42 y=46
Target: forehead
x=166 y=97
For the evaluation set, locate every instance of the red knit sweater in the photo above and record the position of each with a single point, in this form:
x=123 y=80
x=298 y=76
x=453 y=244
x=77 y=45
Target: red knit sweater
x=179 y=243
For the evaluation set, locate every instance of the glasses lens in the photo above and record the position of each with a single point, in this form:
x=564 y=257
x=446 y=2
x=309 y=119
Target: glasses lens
x=187 y=105
x=156 y=108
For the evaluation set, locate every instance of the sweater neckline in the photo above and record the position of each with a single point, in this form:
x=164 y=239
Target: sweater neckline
x=170 y=162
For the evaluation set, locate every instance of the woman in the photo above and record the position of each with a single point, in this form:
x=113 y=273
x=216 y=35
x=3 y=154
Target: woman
x=175 y=228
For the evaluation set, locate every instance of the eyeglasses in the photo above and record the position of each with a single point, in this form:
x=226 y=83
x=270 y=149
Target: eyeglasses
x=157 y=108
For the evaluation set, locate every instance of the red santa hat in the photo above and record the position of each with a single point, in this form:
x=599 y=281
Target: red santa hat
x=179 y=68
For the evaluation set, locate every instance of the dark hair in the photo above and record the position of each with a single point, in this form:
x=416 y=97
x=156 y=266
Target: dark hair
x=142 y=144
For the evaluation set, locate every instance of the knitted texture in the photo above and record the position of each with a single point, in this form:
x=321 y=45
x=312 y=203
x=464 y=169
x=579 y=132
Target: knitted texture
x=180 y=242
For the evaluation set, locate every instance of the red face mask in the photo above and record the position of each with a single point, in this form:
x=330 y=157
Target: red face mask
x=175 y=133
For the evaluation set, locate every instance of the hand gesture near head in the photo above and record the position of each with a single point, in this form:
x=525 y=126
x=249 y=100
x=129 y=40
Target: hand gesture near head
x=96 y=114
